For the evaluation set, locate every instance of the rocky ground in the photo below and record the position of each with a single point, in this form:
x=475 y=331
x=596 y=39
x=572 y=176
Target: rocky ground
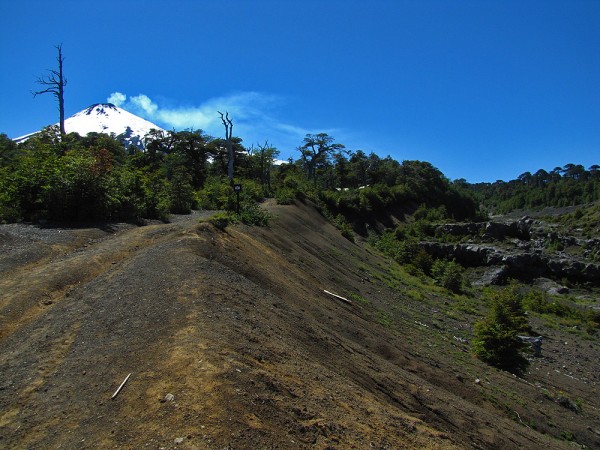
x=231 y=342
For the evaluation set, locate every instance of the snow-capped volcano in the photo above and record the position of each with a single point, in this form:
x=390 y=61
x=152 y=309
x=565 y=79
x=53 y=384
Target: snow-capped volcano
x=109 y=119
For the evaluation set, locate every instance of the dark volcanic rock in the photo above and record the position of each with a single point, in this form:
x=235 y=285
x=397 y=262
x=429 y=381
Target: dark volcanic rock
x=515 y=263
x=493 y=275
x=461 y=229
x=525 y=265
x=496 y=231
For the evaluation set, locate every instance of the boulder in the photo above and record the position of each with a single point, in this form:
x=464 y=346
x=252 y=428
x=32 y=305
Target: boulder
x=525 y=265
x=494 y=275
x=551 y=287
x=496 y=231
x=534 y=342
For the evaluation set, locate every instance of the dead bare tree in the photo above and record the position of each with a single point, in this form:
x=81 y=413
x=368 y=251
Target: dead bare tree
x=55 y=83
x=267 y=154
x=228 y=124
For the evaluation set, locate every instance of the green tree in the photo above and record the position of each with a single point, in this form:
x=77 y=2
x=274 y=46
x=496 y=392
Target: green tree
x=8 y=150
x=264 y=159
x=190 y=145
x=359 y=164
x=342 y=170
x=448 y=274
x=78 y=187
x=181 y=191
x=102 y=141
x=30 y=178
x=496 y=337
x=218 y=151
x=316 y=152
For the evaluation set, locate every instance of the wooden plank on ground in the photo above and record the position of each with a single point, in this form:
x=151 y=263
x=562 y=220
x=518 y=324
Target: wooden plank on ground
x=339 y=297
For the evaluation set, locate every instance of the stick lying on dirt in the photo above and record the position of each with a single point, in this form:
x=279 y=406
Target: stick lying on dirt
x=120 y=387
x=338 y=296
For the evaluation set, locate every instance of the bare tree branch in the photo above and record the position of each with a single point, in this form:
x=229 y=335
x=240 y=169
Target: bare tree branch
x=56 y=82
x=228 y=124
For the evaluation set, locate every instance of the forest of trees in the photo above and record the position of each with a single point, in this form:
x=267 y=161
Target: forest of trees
x=71 y=178
x=563 y=186
x=80 y=178
x=74 y=178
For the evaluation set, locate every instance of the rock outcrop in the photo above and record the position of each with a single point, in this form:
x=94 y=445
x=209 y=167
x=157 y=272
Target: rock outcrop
x=524 y=249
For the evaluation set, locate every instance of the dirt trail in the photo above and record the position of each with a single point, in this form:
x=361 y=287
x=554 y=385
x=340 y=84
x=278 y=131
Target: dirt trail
x=235 y=326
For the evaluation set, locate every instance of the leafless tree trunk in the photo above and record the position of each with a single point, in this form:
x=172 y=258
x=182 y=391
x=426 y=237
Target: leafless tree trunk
x=228 y=123
x=55 y=83
x=267 y=155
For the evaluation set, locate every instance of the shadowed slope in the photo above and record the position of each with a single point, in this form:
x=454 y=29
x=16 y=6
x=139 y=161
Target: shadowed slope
x=235 y=325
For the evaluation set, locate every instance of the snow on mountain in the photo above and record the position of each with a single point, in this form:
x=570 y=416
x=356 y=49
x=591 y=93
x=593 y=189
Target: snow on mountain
x=109 y=119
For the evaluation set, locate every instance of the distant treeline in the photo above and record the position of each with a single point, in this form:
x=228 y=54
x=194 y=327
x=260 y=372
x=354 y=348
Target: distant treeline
x=69 y=178
x=563 y=186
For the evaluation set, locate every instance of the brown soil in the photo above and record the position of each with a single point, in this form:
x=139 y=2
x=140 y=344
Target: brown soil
x=236 y=326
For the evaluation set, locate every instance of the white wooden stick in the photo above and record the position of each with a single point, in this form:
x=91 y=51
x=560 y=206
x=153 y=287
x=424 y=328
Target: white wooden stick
x=120 y=387
x=337 y=296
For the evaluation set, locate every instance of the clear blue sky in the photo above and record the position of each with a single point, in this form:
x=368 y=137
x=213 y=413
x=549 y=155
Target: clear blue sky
x=484 y=90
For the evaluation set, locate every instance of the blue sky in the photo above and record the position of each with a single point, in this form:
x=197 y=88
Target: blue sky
x=483 y=90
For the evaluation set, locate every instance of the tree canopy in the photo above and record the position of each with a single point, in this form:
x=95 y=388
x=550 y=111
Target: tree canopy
x=570 y=185
x=72 y=177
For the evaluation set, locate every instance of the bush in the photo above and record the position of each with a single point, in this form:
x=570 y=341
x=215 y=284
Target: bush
x=156 y=203
x=537 y=301
x=217 y=194
x=294 y=186
x=496 y=337
x=402 y=251
x=223 y=219
x=448 y=274
x=344 y=227
x=423 y=261
x=252 y=214
x=285 y=196
x=181 y=193
x=9 y=210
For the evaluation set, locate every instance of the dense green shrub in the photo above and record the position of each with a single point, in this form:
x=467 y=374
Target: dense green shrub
x=292 y=185
x=496 y=337
x=9 y=207
x=401 y=251
x=448 y=274
x=423 y=261
x=419 y=229
x=156 y=201
x=345 y=228
x=252 y=214
x=538 y=301
x=181 y=192
x=285 y=196
x=541 y=303
x=77 y=189
x=217 y=193
x=223 y=219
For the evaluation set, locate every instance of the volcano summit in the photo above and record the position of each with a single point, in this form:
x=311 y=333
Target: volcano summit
x=109 y=119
